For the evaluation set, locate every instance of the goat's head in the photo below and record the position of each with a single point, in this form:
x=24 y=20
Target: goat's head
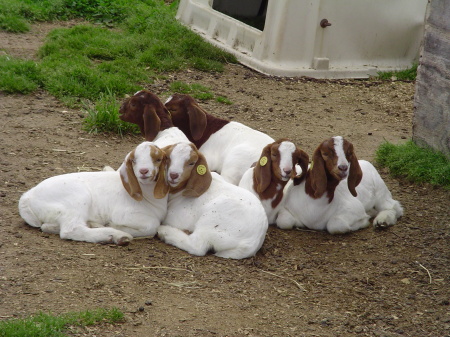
x=187 y=169
x=146 y=110
x=143 y=166
x=187 y=115
x=334 y=159
x=277 y=162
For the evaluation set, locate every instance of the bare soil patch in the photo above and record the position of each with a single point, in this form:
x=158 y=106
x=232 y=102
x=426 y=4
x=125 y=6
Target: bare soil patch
x=302 y=283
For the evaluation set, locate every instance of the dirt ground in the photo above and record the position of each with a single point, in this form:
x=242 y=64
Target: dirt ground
x=301 y=283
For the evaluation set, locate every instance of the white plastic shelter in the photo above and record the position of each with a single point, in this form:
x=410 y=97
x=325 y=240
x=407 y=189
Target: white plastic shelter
x=315 y=38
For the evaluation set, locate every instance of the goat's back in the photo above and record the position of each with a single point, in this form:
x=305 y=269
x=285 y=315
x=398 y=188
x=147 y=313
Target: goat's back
x=233 y=149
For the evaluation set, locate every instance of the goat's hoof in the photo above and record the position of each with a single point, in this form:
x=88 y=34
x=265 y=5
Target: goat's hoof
x=123 y=241
x=382 y=225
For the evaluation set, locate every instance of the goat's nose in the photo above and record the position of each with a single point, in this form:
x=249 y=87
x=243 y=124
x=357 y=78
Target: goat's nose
x=343 y=167
x=287 y=171
x=174 y=176
x=143 y=171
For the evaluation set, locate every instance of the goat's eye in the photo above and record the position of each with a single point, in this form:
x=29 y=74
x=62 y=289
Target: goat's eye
x=192 y=164
x=158 y=160
x=133 y=160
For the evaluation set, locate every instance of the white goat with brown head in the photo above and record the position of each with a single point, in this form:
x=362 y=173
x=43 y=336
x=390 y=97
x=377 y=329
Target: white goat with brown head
x=221 y=217
x=229 y=147
x=338 y=193
x=105 y=207
x=274 y=169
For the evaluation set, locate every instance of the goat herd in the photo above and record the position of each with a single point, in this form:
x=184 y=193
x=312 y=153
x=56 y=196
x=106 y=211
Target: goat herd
x=204 y=184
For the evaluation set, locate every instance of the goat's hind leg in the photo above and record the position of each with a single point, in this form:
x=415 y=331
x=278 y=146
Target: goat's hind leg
x=78 y=230
x=390 y=211
x=193 y=243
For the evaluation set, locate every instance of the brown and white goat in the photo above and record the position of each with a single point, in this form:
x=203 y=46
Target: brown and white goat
x=339 y=193
x=274 y=169
x=222 y=218
x=229 y=147
x=107 y=207
x=146 y=110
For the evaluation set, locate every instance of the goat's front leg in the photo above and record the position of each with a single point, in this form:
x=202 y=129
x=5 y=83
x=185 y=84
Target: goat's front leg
x=285 y=220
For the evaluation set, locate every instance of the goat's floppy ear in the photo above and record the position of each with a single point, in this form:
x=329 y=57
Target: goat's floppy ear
x=200 y=178
x=355 y=174
x=263 y=170
x=301 y=158
x=318 y=174
x=152 y=123
x=197 y=121
x=129 y=180
x=161 y=187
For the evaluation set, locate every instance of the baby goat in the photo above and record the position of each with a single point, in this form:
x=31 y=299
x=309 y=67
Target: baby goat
x=147 y=111
x=102 y=207
x=272 y=172
x=222 y=218
x=337 y=193
x=229 y=147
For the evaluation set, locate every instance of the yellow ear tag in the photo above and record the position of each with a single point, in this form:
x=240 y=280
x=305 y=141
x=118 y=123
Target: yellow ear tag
x=311 y=165
x=201 y=169
x=263 y=161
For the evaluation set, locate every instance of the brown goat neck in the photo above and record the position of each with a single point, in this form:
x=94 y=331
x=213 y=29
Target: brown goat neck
x=331 y=186
x=272 y=190
x=213 y=124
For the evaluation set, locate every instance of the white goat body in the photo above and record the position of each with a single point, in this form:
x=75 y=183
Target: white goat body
x=106 y=207
x=345 y=206
x=222 y=217
x=230 y=148
x=233 y=150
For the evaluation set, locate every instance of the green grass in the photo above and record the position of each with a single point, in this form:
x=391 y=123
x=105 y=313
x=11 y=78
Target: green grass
x=414 y=163
x=19 y=75
x=46 y=325
x=85 y=64
x=197 y=91
x=104 y=117
x=16 y=15
x=224 y=100
x=403 y=75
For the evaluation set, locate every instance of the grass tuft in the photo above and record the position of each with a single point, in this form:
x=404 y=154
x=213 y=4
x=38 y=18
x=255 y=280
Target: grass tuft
x=46 y=325
x=403 y=75
x=197 y=91
x=19 y=75
x=104 y=117
x=414 y=163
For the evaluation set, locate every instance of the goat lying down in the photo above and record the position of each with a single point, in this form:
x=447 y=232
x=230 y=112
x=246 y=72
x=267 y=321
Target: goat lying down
x=102 y=207
x=274 y=169
x=146 y=110
x=338 y=193
x=221 y=217
x=230 y=148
